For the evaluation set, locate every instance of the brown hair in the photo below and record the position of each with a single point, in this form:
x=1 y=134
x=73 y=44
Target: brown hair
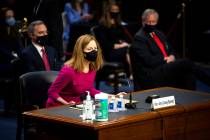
x=77 y=59
x=106 y=17
x=3 y=12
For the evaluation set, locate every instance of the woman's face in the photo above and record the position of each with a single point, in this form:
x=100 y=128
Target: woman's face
x=90 y=51
x=91 y=46
x=115 y=9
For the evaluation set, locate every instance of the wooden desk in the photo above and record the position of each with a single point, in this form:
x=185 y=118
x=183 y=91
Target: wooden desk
x=188 y=120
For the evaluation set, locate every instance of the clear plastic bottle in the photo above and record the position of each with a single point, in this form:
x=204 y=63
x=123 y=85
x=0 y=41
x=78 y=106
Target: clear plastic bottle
x=112 y=104
x=120 y=103
x=88 y=109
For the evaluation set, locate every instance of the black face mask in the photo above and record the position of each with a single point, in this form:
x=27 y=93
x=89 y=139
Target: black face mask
x=149 y=28
x=114 y=15
x=42 y=40
x=91 y=56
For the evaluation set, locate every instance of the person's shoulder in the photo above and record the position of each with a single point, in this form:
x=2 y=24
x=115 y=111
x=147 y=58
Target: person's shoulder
x=140 y=34
x=27 y=49
x=93 y=72
x=160 y=33
x=29 y=46
x=86 y=4
x=27 y=53
x=68 y=70
x=67 y=5
x=50 y=49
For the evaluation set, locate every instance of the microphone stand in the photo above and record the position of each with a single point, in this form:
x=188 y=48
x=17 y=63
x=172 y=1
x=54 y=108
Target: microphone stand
x=184 y=29
x=130 y=105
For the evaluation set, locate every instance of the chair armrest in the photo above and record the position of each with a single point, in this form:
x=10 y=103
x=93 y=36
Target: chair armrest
x=113 y=65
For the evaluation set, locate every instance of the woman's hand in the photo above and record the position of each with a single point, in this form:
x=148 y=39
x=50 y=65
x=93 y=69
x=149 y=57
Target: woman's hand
x=117 y=95
x=120 y=93
x=121 y=45
x=72 y=103
x=62 y=101
x=87 y=17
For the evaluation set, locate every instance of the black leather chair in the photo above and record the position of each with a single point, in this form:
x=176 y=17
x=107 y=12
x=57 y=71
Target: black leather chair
x=115 y=68
x=33 y=93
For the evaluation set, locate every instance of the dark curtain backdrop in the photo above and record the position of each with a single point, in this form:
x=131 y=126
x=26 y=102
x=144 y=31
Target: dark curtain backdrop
x=195 y=26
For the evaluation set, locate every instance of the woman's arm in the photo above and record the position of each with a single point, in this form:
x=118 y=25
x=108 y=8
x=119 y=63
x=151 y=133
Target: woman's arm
x=63 y=78
x=61 y=100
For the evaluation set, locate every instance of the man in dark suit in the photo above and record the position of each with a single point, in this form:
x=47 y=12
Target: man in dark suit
x=154 y=62
x=38 y=56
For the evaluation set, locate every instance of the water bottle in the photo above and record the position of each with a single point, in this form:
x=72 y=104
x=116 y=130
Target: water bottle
x=88 y=109
x=120 y=103
x=112 y=104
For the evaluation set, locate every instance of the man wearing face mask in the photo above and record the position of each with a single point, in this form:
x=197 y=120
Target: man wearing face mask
x=39 y=56
x=153 y=59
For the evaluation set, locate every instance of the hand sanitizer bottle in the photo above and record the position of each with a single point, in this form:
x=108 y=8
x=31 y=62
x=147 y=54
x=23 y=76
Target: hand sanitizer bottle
x=88 y=110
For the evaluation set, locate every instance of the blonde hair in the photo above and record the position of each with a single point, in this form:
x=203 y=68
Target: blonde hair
x=77 y=59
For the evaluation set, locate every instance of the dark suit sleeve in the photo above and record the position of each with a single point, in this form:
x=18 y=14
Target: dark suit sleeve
x=27 y=61
x=142 y=52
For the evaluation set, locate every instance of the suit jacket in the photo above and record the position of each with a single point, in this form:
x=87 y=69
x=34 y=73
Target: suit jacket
x=33 y=62
x=146 y=56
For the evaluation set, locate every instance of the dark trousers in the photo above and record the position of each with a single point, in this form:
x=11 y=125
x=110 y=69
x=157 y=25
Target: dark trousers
x=180 y=74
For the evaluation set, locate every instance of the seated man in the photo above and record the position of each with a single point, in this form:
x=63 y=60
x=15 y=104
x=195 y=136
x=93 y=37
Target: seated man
x=154 y=63
x=38 y=56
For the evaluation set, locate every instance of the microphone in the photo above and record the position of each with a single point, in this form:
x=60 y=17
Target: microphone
x=151 y=97
x=130 y=105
